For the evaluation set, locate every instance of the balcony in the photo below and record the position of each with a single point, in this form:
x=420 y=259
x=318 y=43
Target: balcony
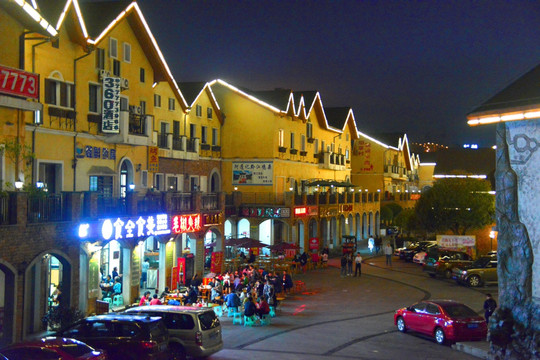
x=181 y=202
x=293 y=151
x=216 y=148
x=4 y=209
x=107 y=206
x=162 y=141
x=137 y=124
x=205 y=146
x=303 y=153
x=209 y=201
x=282 y=149
x=150 y=204
x=178 y=143
x=192 y=144
x=44 y=208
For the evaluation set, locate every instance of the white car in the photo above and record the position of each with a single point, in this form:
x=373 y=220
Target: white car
x=420 y=258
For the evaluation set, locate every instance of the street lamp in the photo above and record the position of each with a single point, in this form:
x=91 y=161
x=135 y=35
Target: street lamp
x=18 y=184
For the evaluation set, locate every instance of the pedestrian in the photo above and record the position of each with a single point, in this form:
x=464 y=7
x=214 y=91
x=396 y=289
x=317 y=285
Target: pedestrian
x=371 y=243
x=358 y=261
x=489 y=307
x=349 y=264
x=344 y=265
x=388 y=252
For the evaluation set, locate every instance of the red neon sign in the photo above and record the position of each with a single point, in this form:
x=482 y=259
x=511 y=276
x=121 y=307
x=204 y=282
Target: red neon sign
x=19 y=83
x=300 y=211
x=186 y=223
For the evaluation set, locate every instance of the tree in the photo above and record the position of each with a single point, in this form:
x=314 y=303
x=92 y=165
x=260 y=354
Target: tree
x=407 y=221
x=18 y=154
x=456 y=204
x=386 y=215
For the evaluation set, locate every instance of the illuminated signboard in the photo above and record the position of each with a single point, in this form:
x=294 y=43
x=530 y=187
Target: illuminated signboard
x=299 y=211
x=306 y=211
x=212 y=219
x=252 y=173
x=19 y=83
x=126 y=227
x=268 y=212
x=186 y=223
x=111 y=105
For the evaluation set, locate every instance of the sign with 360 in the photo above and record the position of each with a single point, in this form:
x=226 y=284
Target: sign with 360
x=19 y=83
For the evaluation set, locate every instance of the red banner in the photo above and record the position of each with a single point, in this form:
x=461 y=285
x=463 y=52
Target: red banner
x=313 y=243
x=216 y=262
x=186 y=223
x=182 y=270
x=18 y=82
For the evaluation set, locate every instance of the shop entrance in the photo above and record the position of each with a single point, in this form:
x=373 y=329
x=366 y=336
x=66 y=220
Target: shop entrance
x=7 y=303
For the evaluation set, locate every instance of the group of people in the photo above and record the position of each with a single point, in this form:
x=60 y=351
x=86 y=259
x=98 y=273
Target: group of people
x=347 y=261
x=110 y=287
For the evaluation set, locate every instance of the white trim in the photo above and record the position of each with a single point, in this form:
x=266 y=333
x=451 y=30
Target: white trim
x=56 y=162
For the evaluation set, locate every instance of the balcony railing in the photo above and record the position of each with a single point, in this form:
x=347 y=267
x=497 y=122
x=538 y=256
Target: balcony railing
x=181 y=202
x=4 y=209
x=162 y=141
x=107 y=206
x=191 y=144
x=209 y=202
x=150 y=204
x=137 y=124
x=177 y=144
x=44 y=208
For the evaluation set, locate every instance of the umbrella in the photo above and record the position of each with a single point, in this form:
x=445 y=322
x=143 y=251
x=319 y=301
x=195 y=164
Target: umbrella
x=283 y=246
x=251 y=243
x=234 y=242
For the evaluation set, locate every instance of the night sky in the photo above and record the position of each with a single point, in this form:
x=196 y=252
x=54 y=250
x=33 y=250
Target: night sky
x=409 y=66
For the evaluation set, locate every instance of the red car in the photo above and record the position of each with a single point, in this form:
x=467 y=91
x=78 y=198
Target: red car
x=445 y=320
x=52 y=348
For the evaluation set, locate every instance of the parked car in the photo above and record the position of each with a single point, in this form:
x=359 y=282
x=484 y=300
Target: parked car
x=193 y=331
x=445 y=320
x=480 y=272
x=126 y=337
x=420 y=258
x=441 y=262
x=52 y=348
x=415 y=248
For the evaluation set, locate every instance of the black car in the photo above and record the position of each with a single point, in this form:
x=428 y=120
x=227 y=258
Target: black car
x=441 y=262
x=415 y=248
x=123 y=337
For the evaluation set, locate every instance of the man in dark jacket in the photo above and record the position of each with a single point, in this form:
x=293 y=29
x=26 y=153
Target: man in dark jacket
x=489 y=307
x=287 y=282
x=249 y=307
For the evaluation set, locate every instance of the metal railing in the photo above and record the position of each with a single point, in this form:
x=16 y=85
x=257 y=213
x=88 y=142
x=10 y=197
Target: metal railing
x=209 y=202
x=137 y=124
x=107 y=206
x=191 y=145
x=181 y=202
x=162 y=141
x=150 y=204
x=4 y=209
x=311 y=200
x=44 y=208
x=177 y=143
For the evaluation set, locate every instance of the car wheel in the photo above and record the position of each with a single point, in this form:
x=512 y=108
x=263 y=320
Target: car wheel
x=439 y=336
x=177 y=351
x=401 y=324
x=474 y=280
x=448 y=274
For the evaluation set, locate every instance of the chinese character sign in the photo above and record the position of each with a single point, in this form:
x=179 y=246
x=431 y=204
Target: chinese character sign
x=216 y=262
x=253 y=173
x=186 y=223
x=111 y=105
x=126 y=227
x=153 y=159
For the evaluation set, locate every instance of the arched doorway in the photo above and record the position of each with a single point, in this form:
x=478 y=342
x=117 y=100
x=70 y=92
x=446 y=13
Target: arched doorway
x=126 y=176
x=47 y=272
x=350 y=225
x=358 y=227
x=273 y=231
x=215 y=182
x=365 y=226
x=243 y=228
x=300 y=234
x=211 y=244
x=325 y=233
x=377 y=225
x=228 y=229
x=370 y=224
x=312 y=228
x=333 y=232
x=343 y=224
x=7 y=303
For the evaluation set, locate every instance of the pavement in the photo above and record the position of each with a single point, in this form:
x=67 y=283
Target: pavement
x=479 y=349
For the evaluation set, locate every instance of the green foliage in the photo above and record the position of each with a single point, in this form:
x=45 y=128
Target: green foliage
x=396 y=209
x=456 y=204
x=407 y=221
x=18 y=154
x=386 y=215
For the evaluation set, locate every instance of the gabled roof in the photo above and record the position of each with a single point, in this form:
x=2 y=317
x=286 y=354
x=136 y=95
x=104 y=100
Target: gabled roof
x=191 y=90
x=97 y=15
x=392 y=138
x=279 y=98
x=337 y=116
x=32 y=18
x=309 y=99
x=299 y=105
x=525 y=91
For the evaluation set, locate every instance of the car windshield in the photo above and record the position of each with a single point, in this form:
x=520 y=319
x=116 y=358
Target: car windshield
x=459 y=311
x=481 y=262
x=208 y=320
x=77 y=349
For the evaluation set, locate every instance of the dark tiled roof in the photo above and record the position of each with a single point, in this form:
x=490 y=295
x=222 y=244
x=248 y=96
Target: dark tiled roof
x=522 y=92
x=459 y=161
x=97 y=15
x=190 y=90
x=51 y=9
x=309 y=96
x=390 y=139
x=296 y=98
x=278 y=98
x=336 y=116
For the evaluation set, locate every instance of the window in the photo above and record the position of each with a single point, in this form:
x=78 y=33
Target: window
x=124 y=104
x=157 y=100
x=116 y=68
x=171 y=104
x=142 y=104
x=209 y=113
x=192 y=130
x=204 y=134
x=303 y=143
x=323 y=146
x=159 y=182
x=347 y=154
x=280 y=138
x=172 y=183
x=144 y=178
x=127 y=52
x=59 y=93
x=102 y=185
x=94 y=98
x=198 y=110
x=176 y=129
x=100 y=58
x=113 y=48
x=142 y=75
x=309 y=130
x=332 y=147
x=214 y=137
x=292 y=140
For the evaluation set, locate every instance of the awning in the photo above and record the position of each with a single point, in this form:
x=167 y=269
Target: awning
x=101 y=170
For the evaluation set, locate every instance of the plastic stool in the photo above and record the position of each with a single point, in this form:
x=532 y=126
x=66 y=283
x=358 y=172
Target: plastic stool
x=249 y=321
x=231 y=311
x=237 y=318
x=265 y=319
x=118 y=300
x=272 y=311
x=109 y=300
x=218 y=310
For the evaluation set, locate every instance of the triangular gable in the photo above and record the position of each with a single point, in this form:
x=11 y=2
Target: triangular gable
x=72 y=18
x=208 y=89
x=318 y=107
x=30 y=16
x=144 y=35
x=351 y=123
x=404 y=147
x=378 y=142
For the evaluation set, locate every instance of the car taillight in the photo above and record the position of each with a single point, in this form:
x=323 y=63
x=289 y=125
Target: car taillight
x=436 y=263
x=148 y=345
x=198 y=338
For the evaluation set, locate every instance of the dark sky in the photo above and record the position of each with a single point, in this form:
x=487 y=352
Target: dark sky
x=412 y=66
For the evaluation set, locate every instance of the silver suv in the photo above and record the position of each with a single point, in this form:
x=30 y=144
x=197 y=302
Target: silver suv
x=193 y=331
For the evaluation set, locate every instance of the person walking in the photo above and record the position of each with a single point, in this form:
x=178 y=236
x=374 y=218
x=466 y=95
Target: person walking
x=349 y=264
x=489 y=307
x=344 y=265
x=388 y=252
x=358 y=262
